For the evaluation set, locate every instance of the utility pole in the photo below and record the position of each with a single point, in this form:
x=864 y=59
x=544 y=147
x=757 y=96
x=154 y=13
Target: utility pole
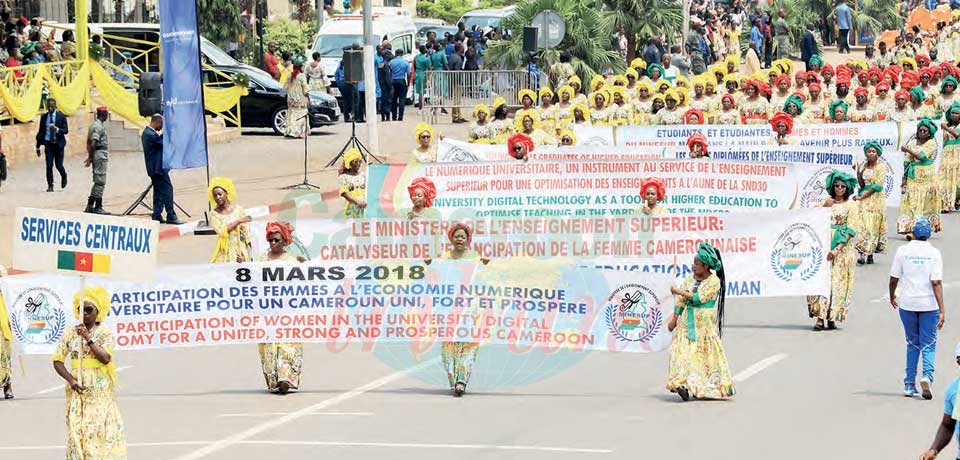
x=370 y=80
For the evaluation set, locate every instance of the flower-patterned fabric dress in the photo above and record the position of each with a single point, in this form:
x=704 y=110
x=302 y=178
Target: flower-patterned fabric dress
x=458 y=358
x=230 y=245
x=755 y=112
x=862 y=115
x=502 y=129
x=297 y=90
x=699 y=365
x=922 y=194
x=482 y=134
x=836 y=306
x=660 y=208
x=94 y=426
x=641 y=111
x=907 y=114
x=669 y=117
x=281 y=362
x=548 y=118
x=872 y=238
x=950 y=171
x=355 y=186
x=729 y=117
x=419 y=156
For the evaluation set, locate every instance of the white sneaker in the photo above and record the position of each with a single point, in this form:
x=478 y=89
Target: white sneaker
x=909 y=391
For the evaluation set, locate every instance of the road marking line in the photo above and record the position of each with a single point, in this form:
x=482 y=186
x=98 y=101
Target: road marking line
x=758 y=367
x=62 y=385
x=286 y=419
x=277 y=414
x=344 y=444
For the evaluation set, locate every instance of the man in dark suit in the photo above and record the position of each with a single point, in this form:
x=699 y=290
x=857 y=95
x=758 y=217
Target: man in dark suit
x=159 y=177
x=52 y=135
x=808 y=46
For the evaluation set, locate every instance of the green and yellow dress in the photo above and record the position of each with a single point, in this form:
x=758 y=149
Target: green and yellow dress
x=281 y=362
x=356 y=187
x=844 y=218
x=872 y=238
x=230 y=245
x=697 y=360
x=922 y=195
x=458 y=357
x=94 y=425
x=950 y=172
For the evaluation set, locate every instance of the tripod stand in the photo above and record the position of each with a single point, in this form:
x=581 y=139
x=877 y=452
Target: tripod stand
x=306 y=134
x=354 y=142
x=140 y=202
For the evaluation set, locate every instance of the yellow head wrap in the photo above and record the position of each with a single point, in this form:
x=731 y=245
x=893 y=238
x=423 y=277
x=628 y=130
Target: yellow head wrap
x=617 y=90
x=518 y=121
x=659 y=97
x=221 y=183
x=583 y=108
x=683 y=96
x=671 y=93
x=574 y=79
x=96 y=295
x=663 y=83
x=420 y=129
x=481 y=108
x=350 y=156
x=637 y=62
x=784 y=66
x=544 y=91
x=645 y=84
x=526 y=92
x=596 y=82
x=632 y=71
x=499 y=102
x=619 y=79
x=735 y=60
x=733 y=78
x=718 y=69
x=568 y=133
x=565 y=89
x=681 y=82
x=906 y=60
x=604 y=93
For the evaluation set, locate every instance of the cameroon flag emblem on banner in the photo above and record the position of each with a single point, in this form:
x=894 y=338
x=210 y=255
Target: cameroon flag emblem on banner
x=83 y=262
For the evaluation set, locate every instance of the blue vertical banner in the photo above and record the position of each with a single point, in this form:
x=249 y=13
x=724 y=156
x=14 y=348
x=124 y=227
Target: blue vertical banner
x=185 y=129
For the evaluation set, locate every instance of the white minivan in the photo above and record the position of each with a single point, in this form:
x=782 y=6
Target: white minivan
x=344 y=30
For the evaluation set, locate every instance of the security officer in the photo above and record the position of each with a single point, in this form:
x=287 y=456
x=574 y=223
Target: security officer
x=97 y=156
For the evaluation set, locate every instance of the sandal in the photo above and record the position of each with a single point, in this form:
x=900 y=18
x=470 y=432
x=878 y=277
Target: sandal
x=459 y=389
x=831 y=325
x=8 y=391
x=283 y=388
x=818 y=326
x=861 y=261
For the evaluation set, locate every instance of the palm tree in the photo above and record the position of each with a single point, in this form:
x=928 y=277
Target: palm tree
x=587 y=38
x=872 y=16
x=644 y=18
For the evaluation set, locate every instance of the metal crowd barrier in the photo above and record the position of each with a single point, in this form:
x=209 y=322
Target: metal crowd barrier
x=463 y=89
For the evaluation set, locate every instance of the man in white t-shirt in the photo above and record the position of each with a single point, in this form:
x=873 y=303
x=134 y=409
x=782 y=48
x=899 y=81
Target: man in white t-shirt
x=918 y=271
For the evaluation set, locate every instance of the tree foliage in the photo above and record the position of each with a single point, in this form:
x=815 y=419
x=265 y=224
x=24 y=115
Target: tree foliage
x=451 y=10
x=292 y=36
x=219 y=21
x=587 y=38
x=643 y=18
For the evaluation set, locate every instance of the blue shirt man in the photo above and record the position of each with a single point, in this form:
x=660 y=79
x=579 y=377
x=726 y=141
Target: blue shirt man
x=844 y=16
x=399 y=68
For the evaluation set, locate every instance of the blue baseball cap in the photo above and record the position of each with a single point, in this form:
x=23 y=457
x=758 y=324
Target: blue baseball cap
x=921 y=229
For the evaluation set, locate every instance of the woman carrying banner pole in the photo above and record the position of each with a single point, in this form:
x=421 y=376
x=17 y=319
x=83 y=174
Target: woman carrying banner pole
x=281 y=363
x=698 y=365
x=920 y=185
x=872 y=177
x=230 y=222
x=845 y=222
x=94 y=426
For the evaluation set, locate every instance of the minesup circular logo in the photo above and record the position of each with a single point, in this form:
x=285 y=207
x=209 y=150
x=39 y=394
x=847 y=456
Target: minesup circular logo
x=633 y=313
x=38 y=317
x=815 y=189
x=797 y=254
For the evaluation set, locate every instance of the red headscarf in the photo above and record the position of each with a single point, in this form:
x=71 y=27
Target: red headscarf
x=864 y=74
x=733 y=100
x=803 y=97
x=861 y=90
x=909 y=79
x=844 y=70
x=926 y=71
x=697 y=112
x=657 y=184
x=697 y=138
x=781 y=117
x=458 y=226
x=283 y=228
x=814 y=75
x=923 y=60
x=754 y=83
x=843 y=80
x=765 y=89
x=429 y=190
x=521 y=139
x=827 y=67
x=814 y=85
x=882 y=84
x=904 y=93
x=893 y=74
x=895 y=69
x=781 y=77
x=875 y=71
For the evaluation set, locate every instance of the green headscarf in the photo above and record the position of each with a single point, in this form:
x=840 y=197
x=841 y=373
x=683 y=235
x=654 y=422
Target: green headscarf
x=875 y=187
x=655 y=66
x=946 y=114
x=28 y=48
x=917 y=92
x=298 y=59
x=846 y=178
x=838 y=103
x=926 y=121
x=950 y=79
x=794 y=99
x=815 y=59
x=708 y=255
x=875 y=145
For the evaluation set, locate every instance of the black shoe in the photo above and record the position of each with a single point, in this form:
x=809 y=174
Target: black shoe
x=91 y=204
x=283 y=388
x=831 y=325
x=173 y=221
x=63 y=182
x=49 y=188
x=684 y=394
x=98 y=209
x=459 y=389
x=870 y=259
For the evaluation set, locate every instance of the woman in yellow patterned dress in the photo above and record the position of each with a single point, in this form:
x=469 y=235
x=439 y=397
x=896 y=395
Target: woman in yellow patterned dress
x=901 y=111
x=621 y=111
x=670 y=114
x=94 y=426
x=481 y=130
x=579 y=115
x=698 y=365
x=862 y=111
x=502 y=126
x=845 y=222
x=531 y=127
x=458 y=358
x=6 y=347
x=643 y=104
x=297 y=94
x=548 y=111
x=920 y=186
x=353 y=184
x=281 y=363
x=872 y=177
x=755 y=108
x=230 y=222
x=729 y=115
x=654 y=192
x=425 y=151
x=599 y=115
x=578 y=96
x=699 y=100
x=782 y=124
x=950 y=159
x=919 y=105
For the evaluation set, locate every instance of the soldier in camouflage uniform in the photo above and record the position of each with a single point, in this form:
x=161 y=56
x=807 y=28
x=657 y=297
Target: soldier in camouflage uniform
x=97 y=157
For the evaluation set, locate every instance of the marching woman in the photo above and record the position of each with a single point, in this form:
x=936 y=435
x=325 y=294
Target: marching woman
x=230 y=222
x=425 y=151
x=422 y=193
x=458 y=357
x=782 y=125
x=520 y=146
x=921 y=187
x=353 y=184
x=281 y=362
x=654 y=191
x=698 y=366
x=6 y=347
x=729 y=115
x=872 y=175
x=950 y=158
x=838 y=111
x=697 y=143
x=94 y=425
x=901 y=110
x=502 y=126
x=845 y=221
x=481 y=131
